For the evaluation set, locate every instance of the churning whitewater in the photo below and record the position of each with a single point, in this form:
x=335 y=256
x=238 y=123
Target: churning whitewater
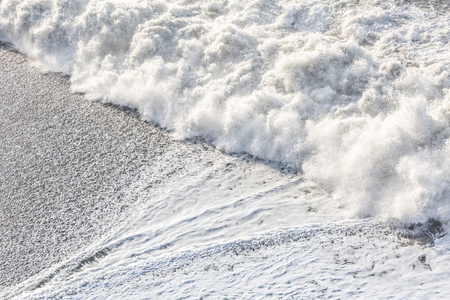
x=355 y=94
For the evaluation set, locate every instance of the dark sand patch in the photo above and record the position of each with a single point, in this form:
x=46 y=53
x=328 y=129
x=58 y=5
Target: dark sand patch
x=65 y=162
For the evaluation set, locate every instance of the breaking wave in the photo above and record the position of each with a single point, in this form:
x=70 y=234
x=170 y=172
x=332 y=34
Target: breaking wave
x=354 y=94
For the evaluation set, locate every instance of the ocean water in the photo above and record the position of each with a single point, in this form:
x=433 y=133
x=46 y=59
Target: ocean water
x=329 y=119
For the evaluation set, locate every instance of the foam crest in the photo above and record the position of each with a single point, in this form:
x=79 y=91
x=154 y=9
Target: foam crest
x=356 y=95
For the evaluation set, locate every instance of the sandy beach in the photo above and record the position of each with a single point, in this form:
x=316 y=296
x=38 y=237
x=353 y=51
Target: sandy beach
x=64 y=163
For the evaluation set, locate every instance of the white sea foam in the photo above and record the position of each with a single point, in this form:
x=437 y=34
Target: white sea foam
x=348 y=260
x=353 y=93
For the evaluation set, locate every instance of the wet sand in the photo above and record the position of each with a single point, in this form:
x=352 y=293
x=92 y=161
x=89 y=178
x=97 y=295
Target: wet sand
x=64 y=164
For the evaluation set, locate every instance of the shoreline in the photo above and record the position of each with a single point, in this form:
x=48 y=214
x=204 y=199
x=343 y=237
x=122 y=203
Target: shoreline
x=69 y=164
